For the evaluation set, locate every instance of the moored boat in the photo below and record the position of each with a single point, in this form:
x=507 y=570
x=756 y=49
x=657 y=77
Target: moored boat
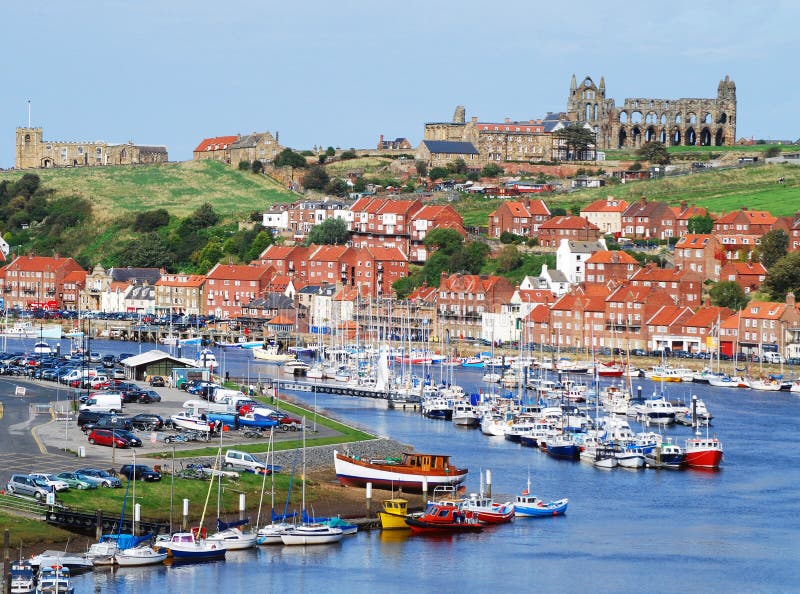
x=54 y=579
x=184 y=546
x=668 y=455
x=393 y=514
x=232 y=537
x=22 y=578
x=409 y=472
x=139 y=556
x=530 y=506
x=486 y=510
x=312 y=534
x=443 y=518
x=703 y=452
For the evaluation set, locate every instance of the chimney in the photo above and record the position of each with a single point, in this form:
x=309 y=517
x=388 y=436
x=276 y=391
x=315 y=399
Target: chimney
x=683 y=205
x=508 y=120
x=643 y=200
x=790 y=299
x=708 y=302
x=474 y=119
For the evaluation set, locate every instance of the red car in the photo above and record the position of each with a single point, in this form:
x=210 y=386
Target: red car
x=105 y=437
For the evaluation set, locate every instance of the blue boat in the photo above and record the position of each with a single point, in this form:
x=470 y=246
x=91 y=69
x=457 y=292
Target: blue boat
x=183 y=546
x=530 y=506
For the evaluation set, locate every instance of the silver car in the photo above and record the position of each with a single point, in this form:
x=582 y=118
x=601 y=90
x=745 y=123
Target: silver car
x=22 y=484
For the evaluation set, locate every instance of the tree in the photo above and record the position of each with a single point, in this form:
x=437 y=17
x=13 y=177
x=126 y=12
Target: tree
x=772 y=151
x=701 y=224
x=443 y=240
x=204 y=216
x=347 y=155
x=492 y=170
x=558 y=211
x=508 y=259
x=330 y=152
x=457 y=166
x=438 y=173
x=316 y=178
x=257 y=166
x=150 y=220
x=635 y=167
x=148 y=251
x=577 y=139
x=422 y=168
x=783 y=276
x=322 y=158
x=328 y=232
x=507 y=237
x=655 y=152
x=471 y=259
x=337 y=187
x=774 y=246
x=259 y=244
x=728 y=294
x=288 y=158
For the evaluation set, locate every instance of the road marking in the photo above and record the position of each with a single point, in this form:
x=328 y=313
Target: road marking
x=35 y=435
x=1 y=410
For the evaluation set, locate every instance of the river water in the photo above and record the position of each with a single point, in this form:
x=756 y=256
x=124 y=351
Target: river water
x=735 y=530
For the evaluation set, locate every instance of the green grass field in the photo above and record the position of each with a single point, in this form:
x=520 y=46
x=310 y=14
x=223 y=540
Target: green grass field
x=366 y=164
x=178 y=187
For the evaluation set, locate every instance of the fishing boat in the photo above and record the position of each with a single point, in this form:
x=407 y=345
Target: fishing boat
x=443 y=518
x=408 y=473
x=139 y=556
x=563 y=446
x=664 y=373
x=192 y=546
x=22 y=578
x=530 y=506
x=54 y=579
x=703 y=452
x=668 y=455
x=487 y=511
x=609 y=369
x=393 y=514
x=465 y=414
x=474 y=362
x=42 y=348
x=629 y=457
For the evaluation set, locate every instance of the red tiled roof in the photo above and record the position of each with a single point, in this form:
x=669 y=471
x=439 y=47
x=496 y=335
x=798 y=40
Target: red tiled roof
x=76 y=276
x=399 y=206
x=692 y=211
x=568 y=222
x=386 y=254
x=237 y=272
x=328 y=253
x=706 y=317
x=536 y=296
x=539 y=314
x=538 y=208
x=695 y=241
x=280 y=321
x=215 y=144
x=38 y=263
x=606 y=205
x=667 y=315
x=754 y=217
x=612 y=257
x=764 y=310
x=746 y=268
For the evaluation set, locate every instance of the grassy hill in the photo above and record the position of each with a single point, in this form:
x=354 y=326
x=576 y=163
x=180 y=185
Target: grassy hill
x=178 y=187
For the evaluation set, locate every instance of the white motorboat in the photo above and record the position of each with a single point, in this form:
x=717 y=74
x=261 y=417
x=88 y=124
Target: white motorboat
x=191 y=422
x=491 y=377
x=312 y=534
x=295 y=367
x=23 y=580
x=184 y=546
x=657 y=410
x=630 y=457
x=139 y=556
x=495 y=425
x=232 y=537
x=102 y=553
x=465 y=414
x=42 y=348
x=270 y=354
x=207 y=359
x=60 y=558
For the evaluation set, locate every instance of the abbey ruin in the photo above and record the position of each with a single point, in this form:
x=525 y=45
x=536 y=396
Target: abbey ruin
x=674 y=122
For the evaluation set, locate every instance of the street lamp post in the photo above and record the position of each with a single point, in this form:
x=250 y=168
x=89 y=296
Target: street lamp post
x=113 y=441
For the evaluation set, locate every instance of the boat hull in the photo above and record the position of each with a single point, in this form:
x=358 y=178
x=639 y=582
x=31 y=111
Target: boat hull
x=358 y=473
x=541 y=510
x=704 y=459
x=418 y=526
x=139 y=558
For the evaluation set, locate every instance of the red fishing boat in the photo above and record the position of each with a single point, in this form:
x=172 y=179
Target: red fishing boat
x=612 y=369
x=703 y=452
x=443 y=518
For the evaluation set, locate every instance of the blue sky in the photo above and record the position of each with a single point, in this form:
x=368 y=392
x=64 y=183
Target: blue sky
x=341 y=73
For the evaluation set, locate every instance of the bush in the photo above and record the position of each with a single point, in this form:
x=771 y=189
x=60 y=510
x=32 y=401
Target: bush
x=150 y=220
x=347 y=155
x=772 y=151
x=257 y=166
x=244 y=165
x=507 y=237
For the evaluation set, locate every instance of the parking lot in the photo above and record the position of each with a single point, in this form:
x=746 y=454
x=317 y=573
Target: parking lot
x=43 y=443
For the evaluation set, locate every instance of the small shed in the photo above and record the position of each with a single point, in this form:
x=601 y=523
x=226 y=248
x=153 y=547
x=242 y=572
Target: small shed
x=153 y=362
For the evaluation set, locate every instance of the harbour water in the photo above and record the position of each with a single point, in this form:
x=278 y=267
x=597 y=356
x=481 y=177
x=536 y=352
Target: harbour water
x=735 y=530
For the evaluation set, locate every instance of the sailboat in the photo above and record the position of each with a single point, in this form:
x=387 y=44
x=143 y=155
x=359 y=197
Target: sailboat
x=270 y=534
x=310 y=533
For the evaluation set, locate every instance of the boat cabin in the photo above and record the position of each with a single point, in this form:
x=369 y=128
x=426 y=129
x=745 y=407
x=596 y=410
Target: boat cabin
x=426 y=461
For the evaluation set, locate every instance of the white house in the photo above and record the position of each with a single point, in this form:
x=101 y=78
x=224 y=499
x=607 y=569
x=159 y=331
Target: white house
x=571 y=257
x=554 y=280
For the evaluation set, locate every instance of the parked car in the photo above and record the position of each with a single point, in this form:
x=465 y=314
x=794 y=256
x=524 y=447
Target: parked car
x=147 y=421
x=139 y=472
x=237 y=459
x=285 y=422
x=108 y=361
x=89 y=416
x=109 y=422
x=51 y=480
x=118 y=373
x=22 y=484
x=148 y=396
x=78 y=481
x=132 y=439
x=106 y=479
x=157 y=381
x=107 y=437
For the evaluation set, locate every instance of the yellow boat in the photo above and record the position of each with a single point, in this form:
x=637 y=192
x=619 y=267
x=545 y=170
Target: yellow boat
x=393 y=515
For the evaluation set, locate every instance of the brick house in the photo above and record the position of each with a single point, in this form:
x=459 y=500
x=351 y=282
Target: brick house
x=748 y=275
x=700 y=253
x=520 y=217
x=686 y=212
x=665 y=329
x=462 y=298
x=628 y=307
x=37 y=282
x=537 y=326
x=438 y=153
x=566 y=227
x=287 y=260
x=760 y=324
x=375 y=269
x=606 y=214
x=681 y=286
x=745 y=222
x=702 y=328
x=426 y=219
x=229 y=287
x=649 y=220
x=180 y=293
x=605 y=265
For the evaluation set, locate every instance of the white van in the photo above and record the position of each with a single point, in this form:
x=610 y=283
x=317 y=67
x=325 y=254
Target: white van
x=773 y=357
x=237 y=459
x=79 y=374
x=103 y=402
x=221 y=393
